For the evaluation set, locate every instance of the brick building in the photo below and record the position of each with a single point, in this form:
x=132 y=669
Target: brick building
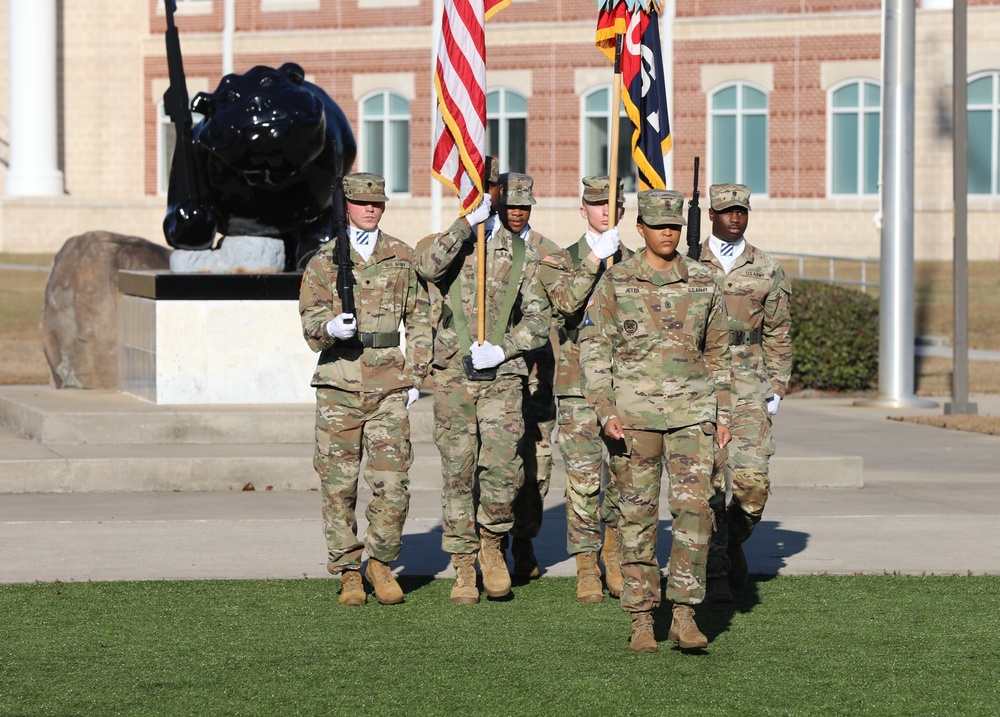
x=782 y=95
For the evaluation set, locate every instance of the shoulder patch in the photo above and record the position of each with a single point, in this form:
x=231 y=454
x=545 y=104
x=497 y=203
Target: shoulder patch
x=554 y=259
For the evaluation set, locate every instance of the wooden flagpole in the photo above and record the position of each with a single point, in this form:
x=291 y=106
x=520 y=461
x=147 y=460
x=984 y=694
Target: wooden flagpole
x=481 y=281
x=616 y=102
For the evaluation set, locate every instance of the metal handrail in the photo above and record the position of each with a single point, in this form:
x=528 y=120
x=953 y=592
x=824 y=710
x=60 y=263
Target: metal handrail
x=800 y=262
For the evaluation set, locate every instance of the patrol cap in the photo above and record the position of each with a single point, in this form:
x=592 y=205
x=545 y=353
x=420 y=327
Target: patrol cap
x=661 y=206
x=515 y=189
x=492 y=170
x=595 y=189
x=364 y=187
x=723 y=196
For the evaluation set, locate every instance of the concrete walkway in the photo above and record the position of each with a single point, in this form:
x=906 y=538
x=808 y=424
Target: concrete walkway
x=930 y=502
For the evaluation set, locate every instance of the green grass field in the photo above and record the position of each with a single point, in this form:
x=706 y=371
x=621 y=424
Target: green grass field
x=879 y=645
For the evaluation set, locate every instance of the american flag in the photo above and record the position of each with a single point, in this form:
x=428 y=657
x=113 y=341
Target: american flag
x=458 y=157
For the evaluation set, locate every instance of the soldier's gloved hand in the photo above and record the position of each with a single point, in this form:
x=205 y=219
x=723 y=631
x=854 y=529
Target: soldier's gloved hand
x=773 y=403
x=412 y=394
x=339 y=328
x=486 y=356
x=481 y=213
x=607 y=244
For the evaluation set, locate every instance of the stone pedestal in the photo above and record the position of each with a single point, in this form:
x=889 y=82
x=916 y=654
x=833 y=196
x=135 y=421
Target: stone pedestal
x=212 y=339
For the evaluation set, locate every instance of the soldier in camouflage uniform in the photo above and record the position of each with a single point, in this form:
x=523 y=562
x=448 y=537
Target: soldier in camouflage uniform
x=569 y=277
x=539 y=406
x=364 y=386
x=478 y=423
x=655 y=357
x=757 y=296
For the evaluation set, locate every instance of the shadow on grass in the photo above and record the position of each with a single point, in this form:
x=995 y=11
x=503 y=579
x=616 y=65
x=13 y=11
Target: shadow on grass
x=423 y=558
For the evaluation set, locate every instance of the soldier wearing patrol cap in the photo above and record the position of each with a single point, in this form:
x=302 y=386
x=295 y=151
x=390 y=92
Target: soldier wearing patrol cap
x=757 y=297
x=477 y=418
x=364 y=386
x=516 y=200
x=655 y=357
x=569 y=277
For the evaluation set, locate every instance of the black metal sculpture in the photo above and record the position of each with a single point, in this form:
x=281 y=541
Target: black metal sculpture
x=264 y=161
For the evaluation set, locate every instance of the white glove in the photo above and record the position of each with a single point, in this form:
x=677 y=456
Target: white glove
x=772 y=404
x=481 y=213
x=412 y=394
x=338 y=327
x=486 y=356
x=607 y=244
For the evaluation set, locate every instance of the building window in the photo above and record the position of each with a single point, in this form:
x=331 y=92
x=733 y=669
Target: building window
x=507 y=129
x=166 y=140
x=983 y=105
x=855 y=110
x=385 y=139
x=596 y=138
x=738 y=142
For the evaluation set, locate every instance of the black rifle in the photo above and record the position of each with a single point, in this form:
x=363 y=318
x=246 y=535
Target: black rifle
x=345 y=271
x=184 y=175
x=694 y=218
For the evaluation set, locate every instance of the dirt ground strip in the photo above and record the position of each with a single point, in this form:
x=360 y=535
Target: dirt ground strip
x=990 y=425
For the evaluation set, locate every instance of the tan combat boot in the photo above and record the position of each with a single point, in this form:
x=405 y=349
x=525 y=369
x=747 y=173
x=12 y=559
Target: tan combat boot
x=611 y=558
x=465 y=591
x=588 y=578
x=496 y=578
x=683 y=629
x=643 y=639
x=387 y=590
x=352 y=592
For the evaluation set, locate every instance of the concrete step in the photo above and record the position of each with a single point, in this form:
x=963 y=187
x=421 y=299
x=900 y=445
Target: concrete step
x=89 y=441
x=73 y=417
x=26 y=467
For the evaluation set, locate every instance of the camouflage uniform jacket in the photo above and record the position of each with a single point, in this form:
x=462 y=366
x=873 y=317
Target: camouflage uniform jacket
x=655 y=346
x=386 y=291
x=452 y=257
x=757 y=298
x=569 y=285
x=542 y=361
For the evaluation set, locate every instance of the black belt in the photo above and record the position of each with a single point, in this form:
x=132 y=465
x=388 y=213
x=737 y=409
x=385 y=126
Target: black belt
x=746 y=338
x=371 y=340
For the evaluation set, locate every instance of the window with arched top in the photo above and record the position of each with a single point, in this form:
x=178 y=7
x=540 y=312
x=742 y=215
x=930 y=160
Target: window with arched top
x=597 y=138
x=855 y=109
x=738 y=138
x=983 y=106
x=385 y=139
x=507 y=129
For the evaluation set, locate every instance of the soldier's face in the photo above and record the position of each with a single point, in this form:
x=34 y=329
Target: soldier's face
x=597 y=216
x=661 y=240
x=364 y=215
x=729 y=224
x=514 y=218
x=494 y=192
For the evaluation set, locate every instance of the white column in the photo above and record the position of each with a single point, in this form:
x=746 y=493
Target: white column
x=33 y=167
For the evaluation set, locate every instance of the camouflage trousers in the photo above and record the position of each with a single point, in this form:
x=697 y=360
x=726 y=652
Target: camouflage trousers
x=582 y=446
x=539 y=411
x=477 y=428
x=745 y=468
x=375 y=424
x=637 y=463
